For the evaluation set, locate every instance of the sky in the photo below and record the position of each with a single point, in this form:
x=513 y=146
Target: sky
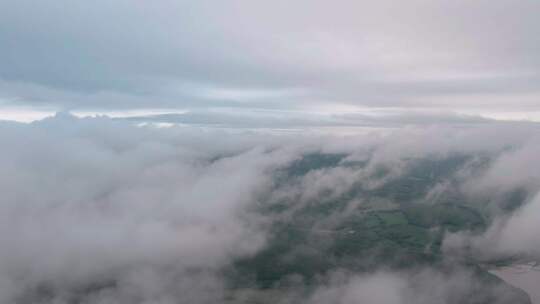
x=307 y=58
x=138 y=137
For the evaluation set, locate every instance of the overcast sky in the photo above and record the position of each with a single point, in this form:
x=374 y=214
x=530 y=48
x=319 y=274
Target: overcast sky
x=478 y=57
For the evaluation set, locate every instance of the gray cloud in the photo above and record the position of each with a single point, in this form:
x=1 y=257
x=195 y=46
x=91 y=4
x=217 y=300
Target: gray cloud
x=480 y=56
x=142 y=214
x=101 y=211
x=275 y=119
x=424 y=286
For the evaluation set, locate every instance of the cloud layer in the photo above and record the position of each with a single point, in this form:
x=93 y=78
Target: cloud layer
x=479 y=57
x=100 y=210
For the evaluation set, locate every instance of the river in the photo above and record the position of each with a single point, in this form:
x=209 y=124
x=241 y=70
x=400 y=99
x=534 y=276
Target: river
x=523 y=276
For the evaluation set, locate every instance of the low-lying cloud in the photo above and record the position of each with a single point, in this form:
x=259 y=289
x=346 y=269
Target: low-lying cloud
x=97 y=210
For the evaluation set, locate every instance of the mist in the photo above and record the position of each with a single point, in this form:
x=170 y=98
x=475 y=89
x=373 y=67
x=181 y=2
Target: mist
x=100 y=210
